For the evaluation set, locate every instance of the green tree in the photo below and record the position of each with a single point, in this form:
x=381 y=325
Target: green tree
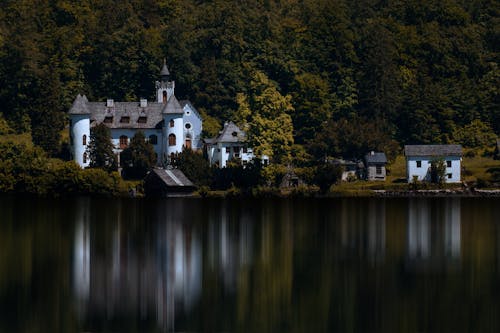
x=195 y=166
x=438 y=171
x=265 y=114
x=100 y=149
x=138 y=158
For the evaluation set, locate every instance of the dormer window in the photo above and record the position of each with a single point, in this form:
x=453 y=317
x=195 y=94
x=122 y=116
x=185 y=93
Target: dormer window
x=125 y=119
x=108 y=119
x=142 y=120
x=235 y=134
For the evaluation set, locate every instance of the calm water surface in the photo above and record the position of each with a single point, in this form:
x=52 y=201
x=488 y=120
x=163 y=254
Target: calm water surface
x=269 y=265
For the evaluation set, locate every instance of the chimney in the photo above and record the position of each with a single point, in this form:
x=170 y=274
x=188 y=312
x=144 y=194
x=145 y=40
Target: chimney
x=110 y=103
x=144 y=102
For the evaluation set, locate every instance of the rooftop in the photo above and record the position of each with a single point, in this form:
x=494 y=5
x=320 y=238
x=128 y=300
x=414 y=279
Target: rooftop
x=433 y=150
x=375 y=157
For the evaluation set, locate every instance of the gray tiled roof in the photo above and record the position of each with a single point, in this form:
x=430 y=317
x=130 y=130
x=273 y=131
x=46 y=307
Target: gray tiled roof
x=231 y=133
x=173 y=106
x=376 y=157
x=433 y=150
x=164 y=71
x=80 y=105
x=173 y=177
x=98 y=112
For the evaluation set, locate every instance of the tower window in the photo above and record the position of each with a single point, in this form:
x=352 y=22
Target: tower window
x=164 y=96
x=84 y=157
x=123 y=142
x=153 y=139
x=187 y=126
x=171 y=124
x=171 y=140
x=84 y=140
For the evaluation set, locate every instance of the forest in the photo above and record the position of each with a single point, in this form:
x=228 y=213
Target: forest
x=308 y=78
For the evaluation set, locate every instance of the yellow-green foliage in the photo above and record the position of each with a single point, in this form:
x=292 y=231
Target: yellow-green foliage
x=27 y=169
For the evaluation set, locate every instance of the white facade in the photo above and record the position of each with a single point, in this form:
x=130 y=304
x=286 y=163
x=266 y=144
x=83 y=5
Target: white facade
x=167 y=124
x=420 y=166
x=80 y=138
x=230 y=145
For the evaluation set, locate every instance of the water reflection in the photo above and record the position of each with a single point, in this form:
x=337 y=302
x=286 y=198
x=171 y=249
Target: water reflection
x=253 y=266
x=434 y=231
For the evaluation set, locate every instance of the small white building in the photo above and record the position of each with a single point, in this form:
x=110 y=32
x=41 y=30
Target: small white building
x=375 y=163
x=230 y=145
x=419 y=158
x=168 y=124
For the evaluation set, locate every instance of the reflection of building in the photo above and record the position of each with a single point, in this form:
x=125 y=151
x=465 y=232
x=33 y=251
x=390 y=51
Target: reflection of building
x=119 y=276
x=433 y=233
x=363 y=231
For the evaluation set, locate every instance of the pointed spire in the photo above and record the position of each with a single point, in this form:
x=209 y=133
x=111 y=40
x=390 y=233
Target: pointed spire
x=164 y=73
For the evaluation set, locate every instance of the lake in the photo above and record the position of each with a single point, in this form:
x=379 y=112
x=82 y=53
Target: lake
x=249 y=265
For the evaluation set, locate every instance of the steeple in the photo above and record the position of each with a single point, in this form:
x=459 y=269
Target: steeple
x=164 y=73
x=165 y=87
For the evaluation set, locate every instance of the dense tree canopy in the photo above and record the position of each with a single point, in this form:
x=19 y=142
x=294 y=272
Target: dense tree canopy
x=419 y=70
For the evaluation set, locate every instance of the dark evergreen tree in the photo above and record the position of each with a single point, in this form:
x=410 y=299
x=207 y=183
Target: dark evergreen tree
x=138 y=158
x=100 y=149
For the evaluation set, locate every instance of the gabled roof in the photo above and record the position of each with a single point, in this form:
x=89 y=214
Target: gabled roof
x=133 y=110
x=173 y=106
x=231 y=133
x=173 y=177
x=433 y=150
x=375 y=157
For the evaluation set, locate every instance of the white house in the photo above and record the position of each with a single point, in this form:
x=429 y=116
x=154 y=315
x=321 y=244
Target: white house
x=168 y=124
x=419 y=158
x=230 y=145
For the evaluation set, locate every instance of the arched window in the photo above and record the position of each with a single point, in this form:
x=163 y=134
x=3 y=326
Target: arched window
x=123 y=142
x=164 y=96
x=153 y=139
x=84 y=140
x=84 y=157
x=171 y=123
x=171 y=140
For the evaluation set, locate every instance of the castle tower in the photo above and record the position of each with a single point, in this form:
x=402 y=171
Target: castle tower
x=173 y=130
x=164 y=87
x=79 y=128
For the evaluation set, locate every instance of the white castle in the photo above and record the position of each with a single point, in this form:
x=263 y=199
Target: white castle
x=168 y=124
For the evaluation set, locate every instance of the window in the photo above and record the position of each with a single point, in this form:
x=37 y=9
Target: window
x=245 y=150
x=188 y=113
x=187 y=126
x=125 y=119
x=108 y=119
x=153 y=139
x=419 y=164
x=172 y=123
x=448 y=164
x=164 y=96
x=123 y=142
x=234 y=134
x=84 y=140
x=188 y=144
x=449 y=176
x=84 y=157
x=142 y=120
x=171 y=140
x=228 y=150
x=378 y=169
